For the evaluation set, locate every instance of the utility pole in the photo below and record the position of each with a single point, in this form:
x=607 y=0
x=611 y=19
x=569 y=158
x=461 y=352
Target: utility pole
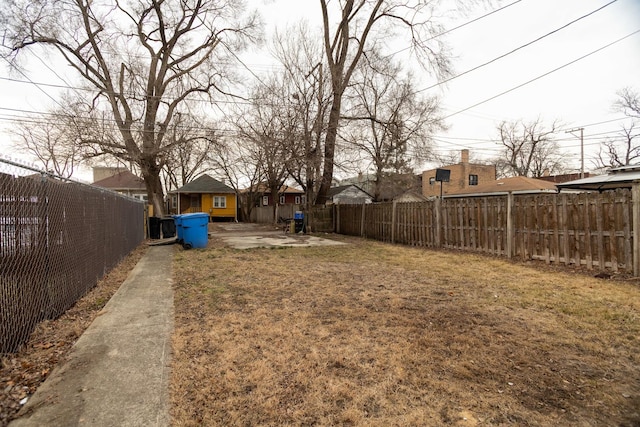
x=581 y=148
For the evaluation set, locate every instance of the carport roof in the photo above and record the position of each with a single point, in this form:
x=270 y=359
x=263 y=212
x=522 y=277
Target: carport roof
x=622 y=177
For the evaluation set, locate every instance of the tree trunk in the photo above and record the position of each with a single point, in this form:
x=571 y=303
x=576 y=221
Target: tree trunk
x=329 y=149
x=276 y=201
x=155 y=193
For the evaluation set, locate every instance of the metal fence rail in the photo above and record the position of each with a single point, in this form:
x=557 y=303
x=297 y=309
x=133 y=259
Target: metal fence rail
x=57 y=239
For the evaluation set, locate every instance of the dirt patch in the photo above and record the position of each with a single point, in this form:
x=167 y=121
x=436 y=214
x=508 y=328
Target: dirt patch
x=21 y=373
x=375 y=334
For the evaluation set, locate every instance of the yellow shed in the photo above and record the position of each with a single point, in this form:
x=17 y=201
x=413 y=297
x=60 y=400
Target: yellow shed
x=208 y=195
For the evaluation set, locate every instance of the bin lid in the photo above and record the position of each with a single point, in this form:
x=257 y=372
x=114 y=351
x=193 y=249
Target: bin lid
x=195 y=215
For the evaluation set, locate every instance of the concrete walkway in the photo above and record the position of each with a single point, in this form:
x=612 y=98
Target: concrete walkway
x=118 y=371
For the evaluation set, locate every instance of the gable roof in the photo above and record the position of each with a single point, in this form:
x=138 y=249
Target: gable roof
x=516 y=184
x=337 y=190
x=205 y=184
x=124 y=180
x=410 y=196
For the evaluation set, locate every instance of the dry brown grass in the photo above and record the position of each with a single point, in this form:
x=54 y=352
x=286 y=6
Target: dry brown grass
x=380 y=335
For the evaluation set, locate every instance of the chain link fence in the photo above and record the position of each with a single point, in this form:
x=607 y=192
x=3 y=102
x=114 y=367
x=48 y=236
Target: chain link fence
x=57 y=239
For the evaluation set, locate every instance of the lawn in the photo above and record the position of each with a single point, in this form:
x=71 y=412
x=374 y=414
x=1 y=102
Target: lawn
x=369 y=334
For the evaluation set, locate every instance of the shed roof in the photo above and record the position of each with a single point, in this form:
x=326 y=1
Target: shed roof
x=411 y=196
x=622 y=177
x=205 y=184
x=337 y=190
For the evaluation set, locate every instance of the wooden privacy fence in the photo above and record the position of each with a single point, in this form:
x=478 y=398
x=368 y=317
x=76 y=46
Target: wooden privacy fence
x=319 y=219
x=598 y=230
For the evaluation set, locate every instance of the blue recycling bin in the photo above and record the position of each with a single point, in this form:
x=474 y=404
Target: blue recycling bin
x=195 y=230
x=179 y=231
x=298 y=218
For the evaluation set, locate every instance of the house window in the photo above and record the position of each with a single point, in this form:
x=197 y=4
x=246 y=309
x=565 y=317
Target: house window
x=432 y=180
x=220 y=202
x=304 y=199
x=473 y=179
x=297 y=201
x=282 y=200
x=265 y=200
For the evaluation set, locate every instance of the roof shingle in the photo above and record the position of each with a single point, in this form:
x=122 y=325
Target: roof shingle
x=124 y=180
x=205 y=184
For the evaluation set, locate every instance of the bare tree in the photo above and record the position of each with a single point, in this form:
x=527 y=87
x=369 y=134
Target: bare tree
x=390 y=124
x=269 y=125
x=623 y=149
x=361 y=25
x=452 y=157
x=241 y=166
x=628 y=102
x=301 y=58
x=142 y=61
x=193 y=142
x=529 y=149
x=49 y=140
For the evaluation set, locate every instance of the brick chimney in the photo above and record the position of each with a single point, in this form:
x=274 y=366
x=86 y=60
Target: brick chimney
x=464 y=156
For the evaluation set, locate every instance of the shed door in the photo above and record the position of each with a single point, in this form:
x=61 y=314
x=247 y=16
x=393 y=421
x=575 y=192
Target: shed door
x=207 y=203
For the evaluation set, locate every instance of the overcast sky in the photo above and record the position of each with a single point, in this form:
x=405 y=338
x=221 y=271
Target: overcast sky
x=580 y=94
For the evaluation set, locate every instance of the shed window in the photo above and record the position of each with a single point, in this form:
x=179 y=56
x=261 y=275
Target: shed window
x=219 y=202
x=297 y=201
x=265 y=200
x=282 y=199
x=473 y=179
x=194 y=201
x=432 y=180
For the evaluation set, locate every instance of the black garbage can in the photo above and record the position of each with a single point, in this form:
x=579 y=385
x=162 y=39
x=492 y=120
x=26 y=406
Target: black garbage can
x=168 y=226
x=154 y=227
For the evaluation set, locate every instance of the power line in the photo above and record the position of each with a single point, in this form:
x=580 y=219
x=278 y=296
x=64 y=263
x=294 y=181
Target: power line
x=457 y=27
x=598 y=123
x=515 y=50
x=540 y=76
x=243 y=64
x=28 y=117
x=31 y=81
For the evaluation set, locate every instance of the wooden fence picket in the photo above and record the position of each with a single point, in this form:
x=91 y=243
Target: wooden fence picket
x=597 y=230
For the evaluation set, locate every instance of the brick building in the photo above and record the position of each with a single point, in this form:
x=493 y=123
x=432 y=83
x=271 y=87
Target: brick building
x=462 y=176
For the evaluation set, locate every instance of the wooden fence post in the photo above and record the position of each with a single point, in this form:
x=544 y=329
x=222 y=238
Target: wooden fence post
x=362 y=220
x=510 y=234
x=635 y=197
x=393 y=222
x=438 y=206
